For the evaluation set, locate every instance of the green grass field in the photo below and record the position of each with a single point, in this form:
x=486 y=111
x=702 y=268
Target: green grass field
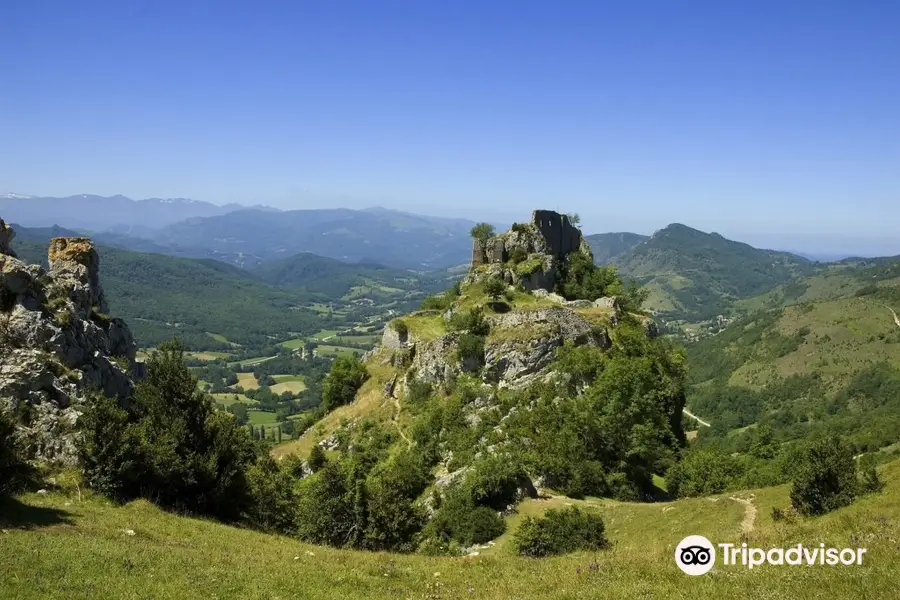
x=288 y=383
x=229 y=399
x=328 y=350
x=260 y=417
x=294 y=344
x=75 y=545
x=206 y=355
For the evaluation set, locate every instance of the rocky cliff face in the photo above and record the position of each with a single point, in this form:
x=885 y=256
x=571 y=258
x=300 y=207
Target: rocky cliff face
x=57 y=342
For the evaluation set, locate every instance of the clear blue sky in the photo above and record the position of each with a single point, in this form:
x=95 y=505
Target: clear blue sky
x=750 y=118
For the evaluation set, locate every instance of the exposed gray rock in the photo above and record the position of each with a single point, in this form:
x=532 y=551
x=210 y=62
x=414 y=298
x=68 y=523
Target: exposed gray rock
x=579 y=303
x=56 y=342
x=436 y=361
x=610 y=302
x=522 y=345
x=393 y=339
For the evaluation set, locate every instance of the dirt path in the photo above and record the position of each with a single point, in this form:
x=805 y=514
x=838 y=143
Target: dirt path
x=695 y=417
x=396 y=421
x=896 y=318
x=749 y=513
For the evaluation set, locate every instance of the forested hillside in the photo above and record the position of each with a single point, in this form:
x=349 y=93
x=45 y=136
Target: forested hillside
x=830 y=361
x=695 y=276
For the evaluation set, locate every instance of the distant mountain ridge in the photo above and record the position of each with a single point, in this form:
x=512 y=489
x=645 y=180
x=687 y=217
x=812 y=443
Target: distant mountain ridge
x=693 y=275
x=381 y=236
x=101 y=213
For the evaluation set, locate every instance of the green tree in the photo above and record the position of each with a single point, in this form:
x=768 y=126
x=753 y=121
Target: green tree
x=170 y=446
x=239 y=410
x=482 y=232
x=317 y=458
x=343 y=381
x=825 y=478
x=494 y=288
x=273 y=499
x=574 y=218
x=560 y=531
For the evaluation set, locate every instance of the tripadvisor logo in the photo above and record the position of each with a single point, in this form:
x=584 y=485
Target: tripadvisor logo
x=696 y=555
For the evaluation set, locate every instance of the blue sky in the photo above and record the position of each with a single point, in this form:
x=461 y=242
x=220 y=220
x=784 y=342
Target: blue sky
x=777 y=123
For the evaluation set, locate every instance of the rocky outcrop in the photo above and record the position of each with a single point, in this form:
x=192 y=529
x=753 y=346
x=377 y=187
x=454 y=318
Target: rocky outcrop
x=522 y=345
x=57 y=342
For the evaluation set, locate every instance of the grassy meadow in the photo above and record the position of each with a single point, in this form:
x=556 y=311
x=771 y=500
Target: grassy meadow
x=75 y=545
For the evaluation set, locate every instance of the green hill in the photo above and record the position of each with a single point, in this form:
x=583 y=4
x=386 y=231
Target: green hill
x=334 y=278
x=829 y=362
x=162 y=296
x=694 y=276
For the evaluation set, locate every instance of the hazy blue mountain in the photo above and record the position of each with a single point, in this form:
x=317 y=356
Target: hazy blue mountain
x=101 y=213
x=382 y=236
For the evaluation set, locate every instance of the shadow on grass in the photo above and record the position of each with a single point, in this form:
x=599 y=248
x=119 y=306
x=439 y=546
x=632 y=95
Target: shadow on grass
x=18 y=515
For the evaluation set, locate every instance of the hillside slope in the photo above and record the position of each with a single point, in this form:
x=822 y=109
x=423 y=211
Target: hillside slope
x=695 y=276
x=830 y=363
x=67 y=544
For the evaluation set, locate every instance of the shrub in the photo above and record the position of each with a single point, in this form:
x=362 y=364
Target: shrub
x=400 y=326
x=870 y=482
x=317 y=459
x=560 y=531
x=528 y=267
x=460 y=520
x=494 y=288
x=825 y=478
x=517 y=255
x=343 y=381
x=471 y=348
x=469 y=320
x=702 y=472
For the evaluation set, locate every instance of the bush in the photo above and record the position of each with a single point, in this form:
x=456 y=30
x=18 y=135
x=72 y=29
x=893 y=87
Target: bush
x=469 y=320
x=702 y=472
x=517 y=255
x=170 y=446
x=317 y=459
x=460 y=520
x=870 y=482
x=560 y=531
x=494 y=288
x=471 y=348
x=343 y=381
x=400 y=326
x=825 y=478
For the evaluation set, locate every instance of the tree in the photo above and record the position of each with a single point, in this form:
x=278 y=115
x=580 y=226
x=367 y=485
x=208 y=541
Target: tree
x=239 y=410
x=574 y=219
x=482 y=232
x=170 y=446
x=494 y=288
x=317 y=458
x=825 y=478
x=343 y=381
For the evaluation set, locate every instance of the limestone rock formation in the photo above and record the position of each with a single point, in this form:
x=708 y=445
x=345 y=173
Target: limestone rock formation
x=57 y=342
